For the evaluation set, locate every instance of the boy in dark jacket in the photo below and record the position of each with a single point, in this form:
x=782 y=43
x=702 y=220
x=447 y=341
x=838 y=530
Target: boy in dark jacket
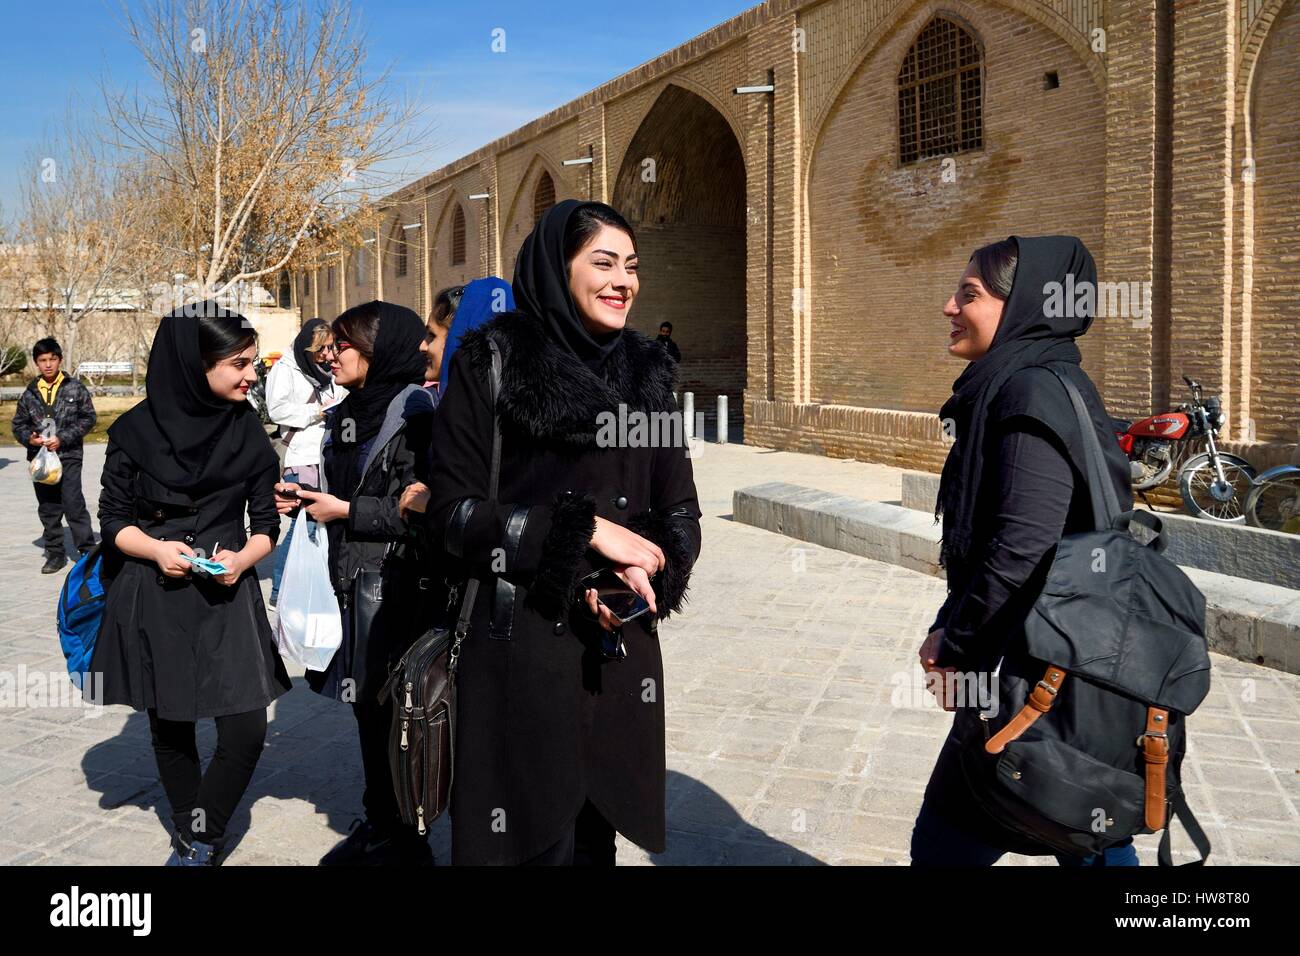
x=62 y=398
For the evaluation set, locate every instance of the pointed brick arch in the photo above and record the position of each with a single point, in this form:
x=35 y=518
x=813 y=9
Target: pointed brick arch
x=687 y=205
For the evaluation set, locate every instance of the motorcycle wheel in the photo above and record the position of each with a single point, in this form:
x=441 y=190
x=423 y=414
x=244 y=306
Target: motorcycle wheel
x=1274 y=501
x=1197 y=478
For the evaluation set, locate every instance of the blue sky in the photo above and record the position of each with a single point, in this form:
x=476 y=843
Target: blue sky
x=438 y=50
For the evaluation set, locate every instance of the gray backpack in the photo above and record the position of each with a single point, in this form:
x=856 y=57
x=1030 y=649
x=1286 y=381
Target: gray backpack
x=1087 y=744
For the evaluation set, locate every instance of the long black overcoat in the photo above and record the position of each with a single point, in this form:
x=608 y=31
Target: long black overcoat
x=544 y=721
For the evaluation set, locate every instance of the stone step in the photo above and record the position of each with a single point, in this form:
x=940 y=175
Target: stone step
x=1246 y=619
x=1268 y=557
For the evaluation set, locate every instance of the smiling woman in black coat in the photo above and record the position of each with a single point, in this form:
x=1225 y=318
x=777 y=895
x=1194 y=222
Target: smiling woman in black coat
x=557 y=746
x=181 y=469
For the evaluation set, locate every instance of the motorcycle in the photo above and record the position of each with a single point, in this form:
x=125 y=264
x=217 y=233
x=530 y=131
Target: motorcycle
x=1213 y=484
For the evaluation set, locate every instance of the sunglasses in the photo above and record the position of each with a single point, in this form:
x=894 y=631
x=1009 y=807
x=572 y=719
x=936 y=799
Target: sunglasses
x=339 y=347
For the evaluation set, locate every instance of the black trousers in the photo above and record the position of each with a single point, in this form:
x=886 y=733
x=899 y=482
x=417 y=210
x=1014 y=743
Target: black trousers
x=53 y=502
x=204 y=801
x=373 y=723
x=590 y=842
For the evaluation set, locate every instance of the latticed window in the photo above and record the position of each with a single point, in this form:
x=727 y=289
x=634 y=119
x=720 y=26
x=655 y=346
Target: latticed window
x=458 y=236
x=359 y=261
x=329 y=278
x=940 y=95
x=543 y=196
x=399 y=251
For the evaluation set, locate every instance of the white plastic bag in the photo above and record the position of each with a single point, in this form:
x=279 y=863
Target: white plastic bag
x=308 y=627
x=45 y=468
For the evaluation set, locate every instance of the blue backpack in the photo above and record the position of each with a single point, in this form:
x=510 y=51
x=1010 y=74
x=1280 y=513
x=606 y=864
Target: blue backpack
x=81 y=608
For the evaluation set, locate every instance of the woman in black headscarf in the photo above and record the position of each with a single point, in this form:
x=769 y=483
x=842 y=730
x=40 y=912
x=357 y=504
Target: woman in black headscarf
x=1012 y=486
x=376 y=444
x=560 y=731
x=181 y=468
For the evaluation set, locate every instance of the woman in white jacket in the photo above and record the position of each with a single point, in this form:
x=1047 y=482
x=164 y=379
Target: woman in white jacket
x=298 y=390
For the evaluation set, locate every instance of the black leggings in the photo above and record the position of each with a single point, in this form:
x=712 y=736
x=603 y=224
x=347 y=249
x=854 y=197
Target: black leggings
x=204 y=801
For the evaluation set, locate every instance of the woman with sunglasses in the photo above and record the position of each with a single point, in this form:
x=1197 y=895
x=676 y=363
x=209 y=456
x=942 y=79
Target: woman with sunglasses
x=560 y=705
x=376 y=444
x=299 y=387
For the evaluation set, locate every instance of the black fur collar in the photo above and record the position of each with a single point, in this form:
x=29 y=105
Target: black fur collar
x=550 y=396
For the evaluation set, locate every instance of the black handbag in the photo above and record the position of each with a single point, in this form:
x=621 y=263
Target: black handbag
x=1085 y=745
x=422 y=737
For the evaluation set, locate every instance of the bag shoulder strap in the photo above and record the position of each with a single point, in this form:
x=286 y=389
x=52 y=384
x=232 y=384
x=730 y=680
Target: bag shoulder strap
x=471 y=587
x=1178 y=804
x=1104 y=506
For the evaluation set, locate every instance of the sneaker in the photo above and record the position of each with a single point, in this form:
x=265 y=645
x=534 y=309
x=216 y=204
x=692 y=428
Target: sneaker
x=53 y=564
x=367 y=845
x=191 y=853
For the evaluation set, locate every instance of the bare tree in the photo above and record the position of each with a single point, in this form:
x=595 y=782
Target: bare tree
x=13 y=320
x=75 y=231
x=267 y=134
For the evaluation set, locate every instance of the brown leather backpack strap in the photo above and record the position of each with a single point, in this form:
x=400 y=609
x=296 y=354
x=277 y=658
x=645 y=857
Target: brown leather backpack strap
x=1039 y=702
x=1155 y=755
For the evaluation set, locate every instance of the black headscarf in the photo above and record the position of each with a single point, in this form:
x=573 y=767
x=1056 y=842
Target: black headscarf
x=541 y=287
x=1030 y=334
x=182 y=435
x=306 y=362
x=396 y=363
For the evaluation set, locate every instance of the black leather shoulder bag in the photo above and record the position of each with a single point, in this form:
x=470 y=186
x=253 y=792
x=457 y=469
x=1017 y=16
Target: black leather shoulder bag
x=422 y=738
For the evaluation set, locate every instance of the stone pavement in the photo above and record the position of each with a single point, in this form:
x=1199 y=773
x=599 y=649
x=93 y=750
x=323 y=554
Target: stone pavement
x=797 y=729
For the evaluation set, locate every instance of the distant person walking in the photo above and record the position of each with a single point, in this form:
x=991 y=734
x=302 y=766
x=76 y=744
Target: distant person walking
x=666 y=340
x=64 y=400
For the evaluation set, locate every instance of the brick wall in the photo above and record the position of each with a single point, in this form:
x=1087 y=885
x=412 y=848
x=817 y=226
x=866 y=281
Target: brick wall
x=1275 y=329
x=811 y=268
x=890 y=241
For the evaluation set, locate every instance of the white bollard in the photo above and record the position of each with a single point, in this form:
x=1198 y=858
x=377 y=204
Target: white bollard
x=688 y=414
x=722 y=419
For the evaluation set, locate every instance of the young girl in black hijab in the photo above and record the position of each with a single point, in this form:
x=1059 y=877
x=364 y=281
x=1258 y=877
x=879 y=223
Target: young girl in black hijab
x=1012 y=486
x=559 y=732
x=376 y=445
x=182 y=466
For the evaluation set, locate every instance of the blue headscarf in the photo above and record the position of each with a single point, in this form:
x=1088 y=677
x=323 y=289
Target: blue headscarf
x=482 y=301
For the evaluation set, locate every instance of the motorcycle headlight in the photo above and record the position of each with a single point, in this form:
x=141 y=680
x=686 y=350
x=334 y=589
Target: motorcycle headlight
x=1220 y=420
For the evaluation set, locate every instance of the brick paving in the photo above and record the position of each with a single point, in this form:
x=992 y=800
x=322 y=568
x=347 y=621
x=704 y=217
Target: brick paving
x=796 y=733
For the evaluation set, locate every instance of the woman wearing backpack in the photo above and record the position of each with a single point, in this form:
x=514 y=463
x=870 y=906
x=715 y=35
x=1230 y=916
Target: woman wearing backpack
x=560 y=730
x=1012 y=487
x=376 y=444
x=181 y=469
x=299 y=388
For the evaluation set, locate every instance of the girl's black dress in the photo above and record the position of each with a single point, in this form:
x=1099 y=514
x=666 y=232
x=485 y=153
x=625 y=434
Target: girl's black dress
x=191 y=647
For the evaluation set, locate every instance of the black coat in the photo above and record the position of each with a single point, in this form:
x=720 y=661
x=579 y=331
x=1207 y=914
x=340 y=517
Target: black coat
x=189 y=647
x=73 y=412
x=543 y=721
x=1031 y=494
x=375 y=534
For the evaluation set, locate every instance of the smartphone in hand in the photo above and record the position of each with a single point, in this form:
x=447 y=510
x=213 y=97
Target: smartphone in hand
x=611 y=591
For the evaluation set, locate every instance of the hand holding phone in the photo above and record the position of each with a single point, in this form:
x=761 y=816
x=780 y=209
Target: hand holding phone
x=622 y=601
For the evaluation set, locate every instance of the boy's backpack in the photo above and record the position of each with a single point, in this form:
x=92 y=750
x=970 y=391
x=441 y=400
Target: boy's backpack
x=1086 y=747
x=81 y=609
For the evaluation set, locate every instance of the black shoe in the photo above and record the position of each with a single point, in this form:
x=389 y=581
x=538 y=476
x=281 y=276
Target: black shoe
x=53 y=564
x=368 y=845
